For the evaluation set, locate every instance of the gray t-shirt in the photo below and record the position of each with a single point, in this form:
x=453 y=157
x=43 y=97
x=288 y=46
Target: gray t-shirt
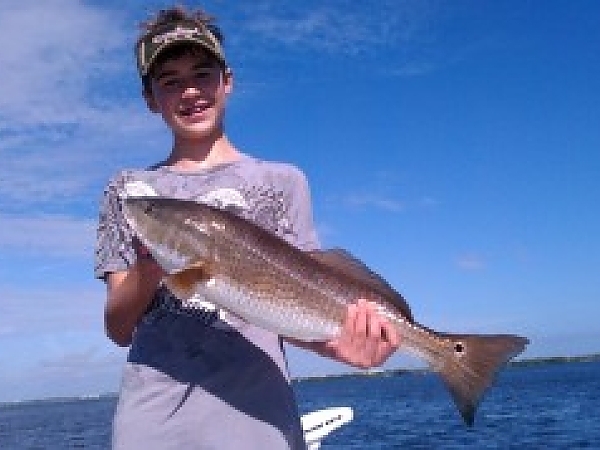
x=196 y=378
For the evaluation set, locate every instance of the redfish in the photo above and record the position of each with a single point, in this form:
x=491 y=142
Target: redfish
x=261 y=278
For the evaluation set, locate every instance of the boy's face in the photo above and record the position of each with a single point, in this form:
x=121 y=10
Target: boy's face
x=190 y=93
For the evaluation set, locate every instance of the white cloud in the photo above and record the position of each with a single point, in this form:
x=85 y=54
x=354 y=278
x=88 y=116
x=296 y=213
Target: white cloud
x=38 y=310
x=45 y=65
x=414 y=69
x=471 y=262
x=337 y=26
x=373 y=201
x=48 y=235
x=68 y=94
x=428 y=202
x=87 y=370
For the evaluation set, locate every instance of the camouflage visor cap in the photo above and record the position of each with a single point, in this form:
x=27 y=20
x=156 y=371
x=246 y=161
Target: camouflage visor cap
x=153 y=44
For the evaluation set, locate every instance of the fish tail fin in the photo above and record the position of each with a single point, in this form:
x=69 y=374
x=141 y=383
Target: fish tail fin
x=471 y=365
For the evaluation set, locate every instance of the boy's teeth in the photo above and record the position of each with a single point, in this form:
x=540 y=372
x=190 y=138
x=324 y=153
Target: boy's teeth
x=192 y=110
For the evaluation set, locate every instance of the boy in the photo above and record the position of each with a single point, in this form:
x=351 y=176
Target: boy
x=195 y=377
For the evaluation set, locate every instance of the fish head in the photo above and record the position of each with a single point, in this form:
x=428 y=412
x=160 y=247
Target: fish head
x=175 y=232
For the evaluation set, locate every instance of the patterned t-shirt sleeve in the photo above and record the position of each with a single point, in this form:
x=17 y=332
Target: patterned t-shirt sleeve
x=114 y=250
x=301 y=214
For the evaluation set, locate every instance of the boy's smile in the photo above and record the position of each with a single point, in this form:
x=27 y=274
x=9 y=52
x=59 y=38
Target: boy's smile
x=190 y=93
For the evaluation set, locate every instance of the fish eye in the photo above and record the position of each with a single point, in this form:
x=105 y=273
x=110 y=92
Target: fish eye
x=459 y=348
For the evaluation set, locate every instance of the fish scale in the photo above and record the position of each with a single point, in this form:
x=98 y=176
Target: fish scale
x=261 y=278
x=264 y=277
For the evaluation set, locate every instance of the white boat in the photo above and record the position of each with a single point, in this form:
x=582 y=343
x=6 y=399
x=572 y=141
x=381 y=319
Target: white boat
x=318 y=424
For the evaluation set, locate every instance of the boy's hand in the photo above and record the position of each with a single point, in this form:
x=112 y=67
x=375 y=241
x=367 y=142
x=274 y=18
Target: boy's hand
x=141 y=252
x=145 y=259
x=367 y=339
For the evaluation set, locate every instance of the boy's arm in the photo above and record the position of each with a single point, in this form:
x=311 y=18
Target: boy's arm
x=128 y=295
x=131 y=277
x=366 y=340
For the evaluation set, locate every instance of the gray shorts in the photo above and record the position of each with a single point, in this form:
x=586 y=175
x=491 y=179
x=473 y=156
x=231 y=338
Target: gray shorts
x=191 y=386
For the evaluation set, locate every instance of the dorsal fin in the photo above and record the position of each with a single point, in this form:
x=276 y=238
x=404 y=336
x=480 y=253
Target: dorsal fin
x=344 y=262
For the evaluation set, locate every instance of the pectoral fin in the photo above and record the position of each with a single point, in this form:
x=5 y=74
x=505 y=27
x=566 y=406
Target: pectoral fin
x=183 y=283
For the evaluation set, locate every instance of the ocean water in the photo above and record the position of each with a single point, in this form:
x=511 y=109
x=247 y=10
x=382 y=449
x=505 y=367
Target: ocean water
x=550 y=406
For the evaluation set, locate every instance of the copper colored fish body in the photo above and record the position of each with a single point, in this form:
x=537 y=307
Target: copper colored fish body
x=261 y=278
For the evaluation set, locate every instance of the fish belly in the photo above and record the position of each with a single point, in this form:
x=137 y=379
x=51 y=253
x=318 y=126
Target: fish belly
x=286 y=318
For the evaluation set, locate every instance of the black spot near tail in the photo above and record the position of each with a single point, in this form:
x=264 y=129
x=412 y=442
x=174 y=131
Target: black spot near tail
x=471 y=368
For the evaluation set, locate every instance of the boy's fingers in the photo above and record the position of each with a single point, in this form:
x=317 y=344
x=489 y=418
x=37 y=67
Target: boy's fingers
x=362 y=325
x=390 y=334
x=140 y=250
x=374 y=332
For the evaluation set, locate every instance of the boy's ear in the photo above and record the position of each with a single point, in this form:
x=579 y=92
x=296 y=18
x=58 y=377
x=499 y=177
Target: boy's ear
x=228 y=80
x=150 y=101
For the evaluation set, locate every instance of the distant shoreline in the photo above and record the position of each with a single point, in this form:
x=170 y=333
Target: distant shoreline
x=367 y=373
x=555 y=360
x=527 y=362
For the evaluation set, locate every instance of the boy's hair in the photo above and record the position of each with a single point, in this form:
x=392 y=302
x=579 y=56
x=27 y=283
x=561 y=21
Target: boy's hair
x=175 y=32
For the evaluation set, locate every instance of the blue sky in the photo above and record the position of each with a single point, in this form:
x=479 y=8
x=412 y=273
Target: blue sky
x=454 y=146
